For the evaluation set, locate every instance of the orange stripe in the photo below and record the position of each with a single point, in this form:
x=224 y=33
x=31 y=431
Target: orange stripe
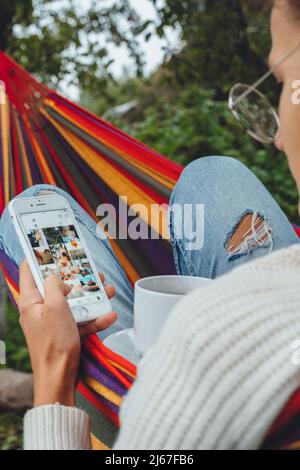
x=43 y=166
x=97 y=444
x=13 y=291
x=122 y=369
x=23 y=154
x=6 y=148
x=102 y=390
x=164 y=180
x=293 y=446
x=110 y=175
x=125 y=263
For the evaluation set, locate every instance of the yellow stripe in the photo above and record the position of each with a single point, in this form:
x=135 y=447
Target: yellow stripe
x=164 y=180
x=5 y=147
x=97 y=444
x=13 y=291
x=103 y=391
x=122 y=369
x=23 y=153
x=123 y=260
x=49 y=178
x=116 y=181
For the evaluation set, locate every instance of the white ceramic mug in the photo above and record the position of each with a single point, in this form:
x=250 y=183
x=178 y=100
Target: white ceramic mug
x=154 y=298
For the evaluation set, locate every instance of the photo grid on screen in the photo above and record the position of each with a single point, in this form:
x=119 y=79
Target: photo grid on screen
x=58 y=252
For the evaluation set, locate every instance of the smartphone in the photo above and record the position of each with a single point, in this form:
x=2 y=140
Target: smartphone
x=52 y=243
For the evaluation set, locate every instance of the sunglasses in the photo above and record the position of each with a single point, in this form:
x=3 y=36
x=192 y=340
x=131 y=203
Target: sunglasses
x=253 y=109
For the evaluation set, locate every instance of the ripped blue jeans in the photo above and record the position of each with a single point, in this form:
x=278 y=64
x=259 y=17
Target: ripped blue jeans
x=227 y=191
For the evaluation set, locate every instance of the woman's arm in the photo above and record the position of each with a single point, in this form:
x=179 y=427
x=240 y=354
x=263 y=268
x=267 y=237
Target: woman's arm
x=53 y=339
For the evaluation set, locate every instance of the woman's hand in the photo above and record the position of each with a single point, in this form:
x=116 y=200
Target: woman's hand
x=53 y=337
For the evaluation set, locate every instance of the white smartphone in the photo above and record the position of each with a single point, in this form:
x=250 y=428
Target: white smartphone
x=52 y=243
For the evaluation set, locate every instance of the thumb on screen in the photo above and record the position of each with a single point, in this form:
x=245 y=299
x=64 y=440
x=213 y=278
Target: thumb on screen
x=55 y=289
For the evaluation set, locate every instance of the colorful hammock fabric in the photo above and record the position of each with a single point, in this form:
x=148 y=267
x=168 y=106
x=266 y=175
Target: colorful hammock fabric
x=44 y=138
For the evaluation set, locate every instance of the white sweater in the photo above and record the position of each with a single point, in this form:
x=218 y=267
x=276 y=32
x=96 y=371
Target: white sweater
x=219 y=375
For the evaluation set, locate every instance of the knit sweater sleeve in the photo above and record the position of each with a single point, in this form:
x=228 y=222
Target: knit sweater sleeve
x=56 y=427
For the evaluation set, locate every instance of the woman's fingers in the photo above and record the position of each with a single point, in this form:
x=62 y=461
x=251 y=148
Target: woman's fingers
x=100 y=324
x=29 y=293
x=66 y=289
x=27 y=282
x=55 y=294
x=110 y=291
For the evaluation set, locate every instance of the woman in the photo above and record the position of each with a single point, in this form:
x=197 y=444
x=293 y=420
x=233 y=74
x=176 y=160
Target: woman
x=221 y=371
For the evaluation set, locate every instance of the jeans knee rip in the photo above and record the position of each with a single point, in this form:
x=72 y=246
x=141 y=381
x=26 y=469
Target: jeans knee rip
x=250 y=233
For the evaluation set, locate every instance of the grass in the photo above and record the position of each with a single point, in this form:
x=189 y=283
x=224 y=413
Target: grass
x=11 y=424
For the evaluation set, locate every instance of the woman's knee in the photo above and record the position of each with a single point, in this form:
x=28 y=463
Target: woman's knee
x=205 y=174
x=39 y=189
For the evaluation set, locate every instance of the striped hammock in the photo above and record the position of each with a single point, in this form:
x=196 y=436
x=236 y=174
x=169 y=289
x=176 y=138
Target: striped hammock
x=44 y=138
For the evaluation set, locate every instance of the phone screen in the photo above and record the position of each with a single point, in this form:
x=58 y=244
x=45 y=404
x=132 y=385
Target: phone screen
x=58 y=250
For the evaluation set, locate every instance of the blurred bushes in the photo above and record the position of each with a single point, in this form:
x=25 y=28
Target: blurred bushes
x=192 y=124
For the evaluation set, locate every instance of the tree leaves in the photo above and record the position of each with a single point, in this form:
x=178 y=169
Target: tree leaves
x=58 y=42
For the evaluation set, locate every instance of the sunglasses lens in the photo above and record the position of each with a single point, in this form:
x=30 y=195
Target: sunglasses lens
x=254 y=112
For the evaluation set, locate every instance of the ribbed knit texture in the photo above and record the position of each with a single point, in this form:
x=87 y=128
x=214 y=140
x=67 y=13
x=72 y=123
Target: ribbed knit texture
x=220 y=373
x=56 y=427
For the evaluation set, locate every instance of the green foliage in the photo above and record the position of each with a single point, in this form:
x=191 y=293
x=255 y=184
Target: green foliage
x=16 y=349
x=57 y=40
x=11 y=424
x=182 y=110
x=13 y=11
x=11 y=431
x=195 y=124
x=220 y=40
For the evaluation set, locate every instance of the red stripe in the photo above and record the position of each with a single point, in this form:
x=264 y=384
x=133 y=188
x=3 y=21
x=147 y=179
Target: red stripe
x=110 y=355
x=16 y=156
x=92 y=345
x=291 y=408
x=9 y=278
x=132 y=180
x=143 y=154
x=92 y=398
x=70 y=183
x=297 y=230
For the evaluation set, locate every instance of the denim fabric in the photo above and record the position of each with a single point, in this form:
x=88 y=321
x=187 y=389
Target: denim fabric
x=225 y=187
x=228 y=190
